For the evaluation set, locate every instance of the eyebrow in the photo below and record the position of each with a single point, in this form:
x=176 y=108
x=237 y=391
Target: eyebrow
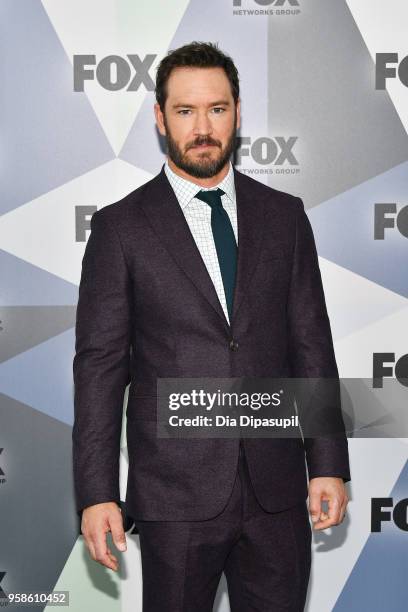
x=217 y=103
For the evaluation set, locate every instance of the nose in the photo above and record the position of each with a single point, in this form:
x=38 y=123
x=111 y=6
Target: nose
x=202 y=125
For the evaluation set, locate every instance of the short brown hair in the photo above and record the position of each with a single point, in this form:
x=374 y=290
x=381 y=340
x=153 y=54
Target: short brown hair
x=195 y=54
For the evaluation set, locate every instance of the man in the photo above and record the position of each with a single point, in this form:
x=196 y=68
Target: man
x=202 y=272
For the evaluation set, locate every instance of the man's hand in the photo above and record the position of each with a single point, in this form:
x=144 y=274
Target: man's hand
x=97 y=520
x=332 y=490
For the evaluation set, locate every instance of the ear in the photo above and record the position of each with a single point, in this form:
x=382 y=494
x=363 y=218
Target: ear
x=159 y=119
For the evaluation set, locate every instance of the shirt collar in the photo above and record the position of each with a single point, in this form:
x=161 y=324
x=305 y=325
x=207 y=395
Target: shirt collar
x=186 y=190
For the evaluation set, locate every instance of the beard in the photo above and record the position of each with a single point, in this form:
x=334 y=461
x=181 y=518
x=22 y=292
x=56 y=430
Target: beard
x=205 y=166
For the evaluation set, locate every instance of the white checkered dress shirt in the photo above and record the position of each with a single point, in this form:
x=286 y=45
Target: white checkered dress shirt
x=198 y=217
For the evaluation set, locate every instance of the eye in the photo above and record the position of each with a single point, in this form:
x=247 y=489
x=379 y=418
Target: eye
x=182 y=111
x=219 y=108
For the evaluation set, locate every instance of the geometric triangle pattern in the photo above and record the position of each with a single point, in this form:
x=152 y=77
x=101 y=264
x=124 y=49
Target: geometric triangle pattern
x=382 y=26
x=376 y=465
x=309 y=80
x=344 y=229
x=229 y=30
x=354 y=353
x=50 y=132
x=38 y=520
x=379 y=577
x=124 y=27
x=29 y=285
x=62 y=230
x=322 y=91
x=353 y=301
x=25 y=328
x=41 y=377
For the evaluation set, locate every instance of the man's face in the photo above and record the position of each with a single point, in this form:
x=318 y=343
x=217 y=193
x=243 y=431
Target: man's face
x=200 y=120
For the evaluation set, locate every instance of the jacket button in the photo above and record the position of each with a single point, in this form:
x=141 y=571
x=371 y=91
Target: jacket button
x=233 y=345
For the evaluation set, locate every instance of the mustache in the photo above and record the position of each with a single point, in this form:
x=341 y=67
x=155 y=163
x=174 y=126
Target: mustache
x=202 y=141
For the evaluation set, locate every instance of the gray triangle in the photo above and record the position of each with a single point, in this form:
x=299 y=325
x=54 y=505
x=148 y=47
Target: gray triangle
x=39 y=525
x=321 y=81
x=22 y=327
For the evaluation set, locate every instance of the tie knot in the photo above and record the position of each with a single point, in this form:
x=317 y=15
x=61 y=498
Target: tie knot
x=212 y=197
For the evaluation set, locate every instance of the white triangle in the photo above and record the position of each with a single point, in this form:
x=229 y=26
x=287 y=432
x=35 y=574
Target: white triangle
x=42 y=231
x=354 y=301
x=355 y=352
x=115 y=27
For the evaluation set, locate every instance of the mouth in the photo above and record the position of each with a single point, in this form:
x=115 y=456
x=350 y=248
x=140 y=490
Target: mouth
x=202 y=146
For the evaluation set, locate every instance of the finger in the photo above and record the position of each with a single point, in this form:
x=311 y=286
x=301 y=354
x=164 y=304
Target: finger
x=343 y=511
x=333 y=518
x=103 y=554
x=315 y=507
x=91 y=548
x=324 y=524
x=326 y=520
x=334 y=507
x=112 y=556
x=118 y=534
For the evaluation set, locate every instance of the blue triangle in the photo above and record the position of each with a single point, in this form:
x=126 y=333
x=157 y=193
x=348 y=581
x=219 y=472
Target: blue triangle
x=378 y=580
x=344 y=230
x=51 y=133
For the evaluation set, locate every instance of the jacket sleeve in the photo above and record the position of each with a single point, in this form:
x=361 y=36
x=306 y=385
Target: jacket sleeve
x=101 y=365
x=311 y=350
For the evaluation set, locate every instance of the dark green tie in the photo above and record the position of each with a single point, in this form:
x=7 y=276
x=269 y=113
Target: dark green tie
x=224 y=240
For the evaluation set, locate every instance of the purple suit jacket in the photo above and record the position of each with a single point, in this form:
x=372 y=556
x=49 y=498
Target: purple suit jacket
x=147 y=309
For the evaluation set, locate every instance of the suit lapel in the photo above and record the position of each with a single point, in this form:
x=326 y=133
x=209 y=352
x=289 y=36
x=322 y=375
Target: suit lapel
x=164 y=213
x=250 y=216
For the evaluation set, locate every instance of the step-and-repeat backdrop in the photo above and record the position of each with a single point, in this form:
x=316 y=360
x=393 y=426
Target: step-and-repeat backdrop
x=324 y=89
